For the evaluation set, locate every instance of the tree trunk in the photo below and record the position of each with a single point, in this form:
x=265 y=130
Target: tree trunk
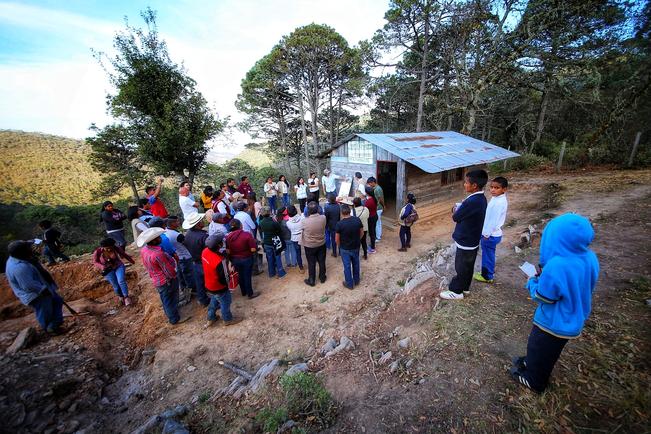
x=423 y=74
x=540 y=126
x=469 y=125
x=134 y=190
x=301 y=111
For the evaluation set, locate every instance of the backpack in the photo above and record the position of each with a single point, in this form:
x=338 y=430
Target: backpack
x=412 y=217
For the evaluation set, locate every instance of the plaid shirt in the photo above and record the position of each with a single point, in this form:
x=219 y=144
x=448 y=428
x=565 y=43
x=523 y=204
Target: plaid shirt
x=160 y=265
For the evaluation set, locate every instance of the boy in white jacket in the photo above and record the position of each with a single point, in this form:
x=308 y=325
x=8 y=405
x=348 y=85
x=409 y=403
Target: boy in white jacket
x=491 y=233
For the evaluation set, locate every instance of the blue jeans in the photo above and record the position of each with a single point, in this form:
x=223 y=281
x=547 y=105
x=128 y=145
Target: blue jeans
x=185 y=273
x=48 y=309
x=200 y=285
x=378 y=225
x=488 y=247
x=272 y=204
x=331 y=243
x=169 y=298
x=221 y=301
x=350 y=259
x=118 y=281
x=244 y=267
x=285 y=200
x=51 y=253
x=293 y=254
x=274 y=262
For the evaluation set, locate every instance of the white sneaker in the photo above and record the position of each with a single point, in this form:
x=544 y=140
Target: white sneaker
x=449 y=295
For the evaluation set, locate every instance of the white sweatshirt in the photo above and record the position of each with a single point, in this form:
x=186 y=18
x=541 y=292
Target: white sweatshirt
x=495 y=216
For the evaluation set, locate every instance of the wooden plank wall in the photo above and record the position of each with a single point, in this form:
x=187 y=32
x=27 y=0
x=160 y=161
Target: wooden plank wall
x=428 y=189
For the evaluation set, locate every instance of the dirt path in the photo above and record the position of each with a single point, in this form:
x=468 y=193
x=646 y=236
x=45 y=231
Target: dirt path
x=451 y=377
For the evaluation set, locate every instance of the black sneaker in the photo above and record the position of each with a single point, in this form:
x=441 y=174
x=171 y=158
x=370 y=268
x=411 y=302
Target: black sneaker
x=519 y=363
x=307 y=282
x=520 y=378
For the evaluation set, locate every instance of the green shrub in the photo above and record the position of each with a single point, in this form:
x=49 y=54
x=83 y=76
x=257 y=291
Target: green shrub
x=526 y=162
x=270 y=419
x=307 y=399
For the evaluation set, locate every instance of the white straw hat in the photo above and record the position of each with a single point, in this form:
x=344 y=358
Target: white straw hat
x=192 y=220
x=148 y=235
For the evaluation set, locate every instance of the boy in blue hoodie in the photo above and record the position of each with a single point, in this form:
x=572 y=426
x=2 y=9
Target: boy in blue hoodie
x=469 y=216
x=563 y=291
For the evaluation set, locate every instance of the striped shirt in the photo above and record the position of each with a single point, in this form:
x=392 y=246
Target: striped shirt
x=160 y=266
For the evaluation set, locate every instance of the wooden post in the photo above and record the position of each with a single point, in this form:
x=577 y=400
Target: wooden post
x=401 y=185
x=505 y=161
x=634 y=150
x=560 y=157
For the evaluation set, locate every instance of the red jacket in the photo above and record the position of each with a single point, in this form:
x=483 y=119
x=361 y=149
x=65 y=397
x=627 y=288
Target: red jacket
x=213 y=271
x=245 y=189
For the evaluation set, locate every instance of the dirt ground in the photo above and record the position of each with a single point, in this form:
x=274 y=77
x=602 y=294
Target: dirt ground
x=118 y=366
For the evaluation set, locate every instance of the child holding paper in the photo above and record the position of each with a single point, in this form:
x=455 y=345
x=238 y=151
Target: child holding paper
x=563 y=291
x=469 y=216
x=491 y=233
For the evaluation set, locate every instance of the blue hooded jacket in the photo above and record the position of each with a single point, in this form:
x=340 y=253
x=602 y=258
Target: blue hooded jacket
x=564 y=289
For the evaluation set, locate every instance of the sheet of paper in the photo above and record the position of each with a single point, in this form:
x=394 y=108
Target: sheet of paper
x=528 y=269
x=344 y=189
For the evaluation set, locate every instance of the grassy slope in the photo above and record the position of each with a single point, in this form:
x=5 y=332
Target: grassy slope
x=45 y=169
x=254 y=157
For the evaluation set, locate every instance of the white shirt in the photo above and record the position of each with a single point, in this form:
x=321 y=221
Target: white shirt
x=282 y=187
x=181 y=250
x=247 y=222
x=217 y=228
x=459 y=246
x=270 y=190
x=361 y=188
x=187 y=206
x=314 y=187
x=329 y=182
x=495 y=216
x=301 y=191
x=221 y=207
x=295 y=226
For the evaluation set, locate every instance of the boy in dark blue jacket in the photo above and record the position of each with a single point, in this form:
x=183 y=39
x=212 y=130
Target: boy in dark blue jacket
x=563 y=291
x=469 y=216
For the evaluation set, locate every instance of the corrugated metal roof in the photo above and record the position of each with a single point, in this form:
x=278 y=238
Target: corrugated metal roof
x=436 y=151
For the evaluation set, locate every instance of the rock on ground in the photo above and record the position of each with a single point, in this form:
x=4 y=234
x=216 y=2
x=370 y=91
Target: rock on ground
x=23 y=339
x=301 y=367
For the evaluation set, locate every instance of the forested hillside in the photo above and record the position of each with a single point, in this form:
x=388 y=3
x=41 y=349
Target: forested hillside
x=45 y=169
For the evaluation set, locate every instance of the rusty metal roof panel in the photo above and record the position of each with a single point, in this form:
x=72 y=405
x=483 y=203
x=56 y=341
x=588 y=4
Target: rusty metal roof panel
x=436 y=151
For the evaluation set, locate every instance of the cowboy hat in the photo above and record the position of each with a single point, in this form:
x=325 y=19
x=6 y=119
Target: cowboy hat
x=192 y=220
x=148 y=235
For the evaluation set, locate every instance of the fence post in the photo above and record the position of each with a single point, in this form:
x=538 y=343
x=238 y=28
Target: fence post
x=505 y=161
x=634 y=150
x=560 y=157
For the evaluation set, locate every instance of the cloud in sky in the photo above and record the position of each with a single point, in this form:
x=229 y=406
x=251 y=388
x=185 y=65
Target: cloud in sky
x=51 y=83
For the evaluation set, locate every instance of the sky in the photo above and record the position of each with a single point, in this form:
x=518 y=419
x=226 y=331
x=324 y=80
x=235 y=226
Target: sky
x=51 y=83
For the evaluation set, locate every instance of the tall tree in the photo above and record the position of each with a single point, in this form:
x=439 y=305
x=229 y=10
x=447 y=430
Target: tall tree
x=170 y=120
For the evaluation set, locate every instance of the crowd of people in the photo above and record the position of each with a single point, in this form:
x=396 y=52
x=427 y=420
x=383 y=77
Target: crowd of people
x=228 y=231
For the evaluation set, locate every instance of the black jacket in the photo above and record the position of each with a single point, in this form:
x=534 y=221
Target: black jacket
x=470 y=220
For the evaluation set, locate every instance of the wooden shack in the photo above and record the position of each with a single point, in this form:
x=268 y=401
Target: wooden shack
x=432 y=165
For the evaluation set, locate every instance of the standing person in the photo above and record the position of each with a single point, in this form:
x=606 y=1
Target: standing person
x=283 y=189
x=53 y=245
x=371 y=205
x=406 y=221
x=206 y=197
x=230 y=184
x=349 y=231
x=313 y=186
x=227 y=193
x=378 y=194
x=195 y=242
x=185 y=268
x=329 y=183
x=34 y=286
x=165 y=242
x=138 y=226
x=360 y=186
x=301 y=193
x=311 y=197
x=333 y=214
x=216 y=282
x=359 y=210
x=186 y=201
x=162 y=271
x=218 y=224
x=248 y=225
x=271 y=229
x=285 y=235
x=295 y=226
x=220 y=204
x=156 y=205
x=271 y=192
x=112 y=219
x=313 y=241
x=245 y=187
x=469 y=216
x=491 y=233
x=242 y=249
x=563 y=291
x=107 y=258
